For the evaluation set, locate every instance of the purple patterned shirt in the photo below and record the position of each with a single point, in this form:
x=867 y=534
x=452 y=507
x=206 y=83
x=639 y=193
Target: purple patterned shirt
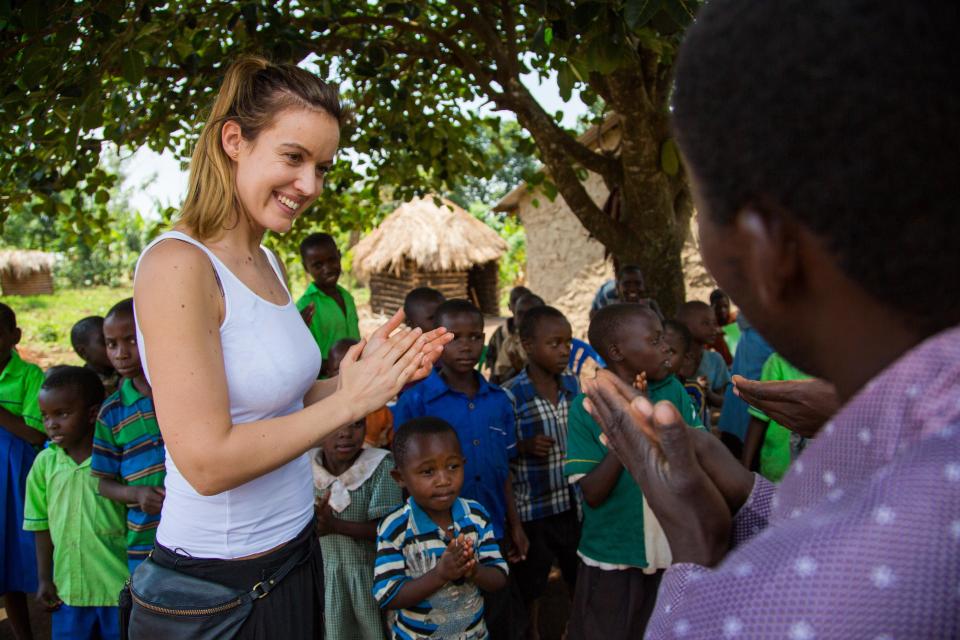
x=861 y=539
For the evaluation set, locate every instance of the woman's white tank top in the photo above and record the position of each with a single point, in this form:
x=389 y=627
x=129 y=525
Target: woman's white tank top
x=270 y=360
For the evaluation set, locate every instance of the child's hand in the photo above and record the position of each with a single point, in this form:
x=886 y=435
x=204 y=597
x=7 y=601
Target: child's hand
x=455 y=560
x=150 y=499
x=325 y=517
x=307 y=313
x=703 y=382
x=47 y=595
x=640 y=383
x=519 y=544
x=539 y=445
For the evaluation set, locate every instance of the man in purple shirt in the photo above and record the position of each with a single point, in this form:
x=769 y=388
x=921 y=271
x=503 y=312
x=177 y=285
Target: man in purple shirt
x=822 y=141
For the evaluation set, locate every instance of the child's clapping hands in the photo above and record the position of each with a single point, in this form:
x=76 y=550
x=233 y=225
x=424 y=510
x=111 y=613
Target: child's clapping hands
x=458 y=561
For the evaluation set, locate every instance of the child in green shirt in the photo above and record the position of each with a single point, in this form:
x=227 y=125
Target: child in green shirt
x=615 y=595
x=326 y=307
x=778 y=446
x=80 y=535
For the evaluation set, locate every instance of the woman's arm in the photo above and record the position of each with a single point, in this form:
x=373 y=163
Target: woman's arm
x=179 y=311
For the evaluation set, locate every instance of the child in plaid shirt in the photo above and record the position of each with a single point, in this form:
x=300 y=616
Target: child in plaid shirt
x=542 y=393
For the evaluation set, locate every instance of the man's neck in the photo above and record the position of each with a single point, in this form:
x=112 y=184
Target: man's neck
x=465 y=383
x=5 y=359
x=331 y=291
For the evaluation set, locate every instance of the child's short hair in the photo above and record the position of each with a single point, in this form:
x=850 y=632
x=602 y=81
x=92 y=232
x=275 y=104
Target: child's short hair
x=455 y=306
x=531 y=298
x=717 y=295
x=607 y=324
x=426 y=426
x=629 y=268
x=421 y=295
x=679 y=328
x=125 y=306
x=8 y=319
x=531 y=320
x=826 y=133
x=84 y=329
x=689 y=309
x=518 y=292
x=85 y=381
x=316 y=239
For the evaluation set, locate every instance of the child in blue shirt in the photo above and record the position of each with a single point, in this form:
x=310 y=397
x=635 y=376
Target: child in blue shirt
x=483 y=417
x=435 y=552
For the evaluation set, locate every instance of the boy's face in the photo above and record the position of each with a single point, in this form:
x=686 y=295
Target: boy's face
x=549 y=348
x=332 y=364
x=462 y=354
x=631 y=287
x=676 y=349
x=432 y=471
x=120 y=336
x=641 y=348
x=721 y=310
x=94 y=351
x=66 y=419
x=703 y=326
x=322 y=262
x=345 y=443
x=423 y=315
x=9 y=338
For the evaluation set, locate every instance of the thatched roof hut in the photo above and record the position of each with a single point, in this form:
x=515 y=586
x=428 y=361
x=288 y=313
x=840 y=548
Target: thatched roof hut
x=26 y=273
x=422 y=244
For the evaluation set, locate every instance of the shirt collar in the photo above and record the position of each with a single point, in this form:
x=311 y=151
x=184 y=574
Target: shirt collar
x=435 y=386
x=660 y=384
x=61 y=453
x=14 y=367
x=313 y=289
x=128 y=393
x=569 y=386
x=423 y=523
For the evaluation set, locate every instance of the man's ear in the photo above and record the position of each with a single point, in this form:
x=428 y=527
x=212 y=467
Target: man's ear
x=770 y=259
x=231 y=137
x=395 y=474
x=94 y=413
x=527 y=346
x=17 y=334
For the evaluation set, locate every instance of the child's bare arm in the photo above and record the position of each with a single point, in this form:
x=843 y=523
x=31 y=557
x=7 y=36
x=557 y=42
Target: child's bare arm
x=358 y=530
x=489 y=578
x=756 y=432
x=148 y=499
x=46 y=589
x=598 y=484
x=17 y=426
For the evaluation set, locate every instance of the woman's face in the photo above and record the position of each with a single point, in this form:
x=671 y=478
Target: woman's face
x=281 y=172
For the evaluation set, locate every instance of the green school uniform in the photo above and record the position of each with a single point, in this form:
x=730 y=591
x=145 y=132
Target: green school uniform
x=329 y=322
x=88 y=530
x=731 y=335
x=610 y=531
x=19 y=387
x=776 y=454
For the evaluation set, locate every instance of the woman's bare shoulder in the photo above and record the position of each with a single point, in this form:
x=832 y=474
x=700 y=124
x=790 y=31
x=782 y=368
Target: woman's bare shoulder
x=175 y=267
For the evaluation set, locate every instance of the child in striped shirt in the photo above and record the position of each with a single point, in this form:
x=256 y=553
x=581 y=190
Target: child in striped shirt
x=437 y=551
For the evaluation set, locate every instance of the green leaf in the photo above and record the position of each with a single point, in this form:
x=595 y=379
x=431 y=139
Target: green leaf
x=565 y=81
x=102 y=197
x=638 y=12
x=131 y=66
x=548 y=35
x=393 y=7
x=669 y=157
x=679 y=11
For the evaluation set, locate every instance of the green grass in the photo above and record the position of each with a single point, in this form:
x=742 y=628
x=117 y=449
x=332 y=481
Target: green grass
x=46 y=320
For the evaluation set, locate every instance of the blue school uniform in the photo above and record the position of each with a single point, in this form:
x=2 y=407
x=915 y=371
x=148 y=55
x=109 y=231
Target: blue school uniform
x=19 y=385
x=486 y=427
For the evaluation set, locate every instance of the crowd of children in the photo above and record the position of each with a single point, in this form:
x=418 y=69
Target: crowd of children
x=441 y=515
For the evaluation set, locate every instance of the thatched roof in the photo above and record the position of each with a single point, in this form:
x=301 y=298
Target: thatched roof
x=19 y=264
x=435 y=238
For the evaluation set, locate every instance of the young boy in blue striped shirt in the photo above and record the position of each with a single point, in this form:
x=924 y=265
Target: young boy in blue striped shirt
x=437 y=551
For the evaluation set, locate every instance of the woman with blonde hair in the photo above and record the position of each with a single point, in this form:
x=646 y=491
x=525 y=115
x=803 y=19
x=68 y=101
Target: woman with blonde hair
x=234 y=371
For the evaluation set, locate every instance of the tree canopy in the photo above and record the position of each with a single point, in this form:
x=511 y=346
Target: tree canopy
x=417 y=75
